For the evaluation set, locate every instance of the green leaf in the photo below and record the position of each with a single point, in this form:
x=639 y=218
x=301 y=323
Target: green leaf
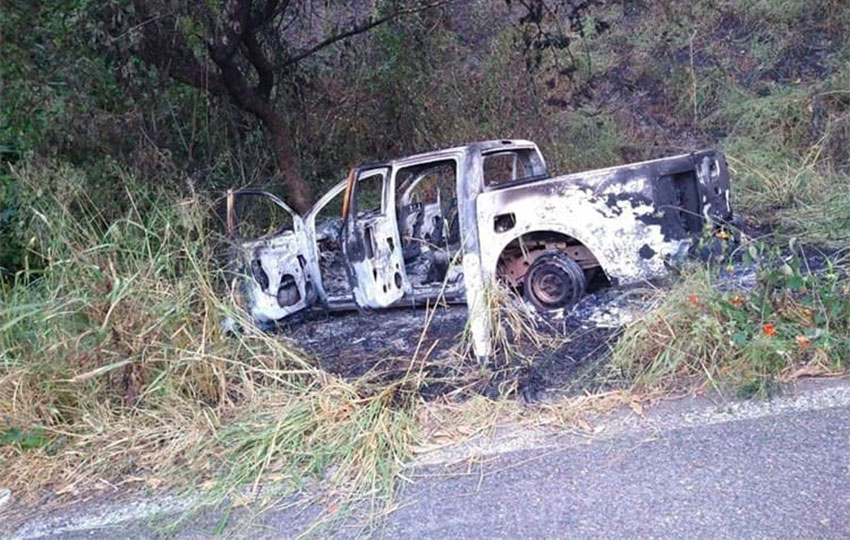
x=12 y=436
x=795 y=282
x=33 y=438
x=738 y=316
x=753 y=252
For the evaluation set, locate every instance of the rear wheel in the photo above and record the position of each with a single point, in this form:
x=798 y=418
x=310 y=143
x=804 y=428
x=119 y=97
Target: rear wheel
x=554 y=281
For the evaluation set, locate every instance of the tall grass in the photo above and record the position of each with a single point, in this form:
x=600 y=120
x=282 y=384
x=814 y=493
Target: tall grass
x=114 y=367
x=789 y=161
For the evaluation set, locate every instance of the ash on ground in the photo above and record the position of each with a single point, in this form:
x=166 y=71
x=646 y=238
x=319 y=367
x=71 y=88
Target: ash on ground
x=385 y=345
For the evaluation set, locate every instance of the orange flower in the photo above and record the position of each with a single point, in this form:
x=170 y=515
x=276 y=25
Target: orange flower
x=723 y=235
x=693 y=299
x=802 y=341
x=736 y=300
x=769 y=329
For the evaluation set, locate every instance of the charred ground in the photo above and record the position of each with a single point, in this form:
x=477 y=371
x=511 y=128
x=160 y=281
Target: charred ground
x=388 y=345
x=573 y=356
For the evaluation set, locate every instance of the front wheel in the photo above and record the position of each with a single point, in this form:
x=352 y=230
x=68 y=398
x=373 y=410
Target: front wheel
x=554 y=281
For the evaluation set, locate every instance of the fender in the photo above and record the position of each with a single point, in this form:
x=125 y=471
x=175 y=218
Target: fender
x=582 y=237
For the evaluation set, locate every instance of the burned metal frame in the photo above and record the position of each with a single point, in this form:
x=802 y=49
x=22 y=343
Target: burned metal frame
x=628 y=223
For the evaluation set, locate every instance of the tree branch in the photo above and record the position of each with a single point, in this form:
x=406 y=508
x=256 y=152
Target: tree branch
x=359 y=29
x=234 y=22
x=268 y=12
x=265 y=69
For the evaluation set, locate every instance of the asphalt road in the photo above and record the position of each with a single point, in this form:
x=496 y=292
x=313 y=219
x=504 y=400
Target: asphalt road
x=688 y=470
x=783 y=476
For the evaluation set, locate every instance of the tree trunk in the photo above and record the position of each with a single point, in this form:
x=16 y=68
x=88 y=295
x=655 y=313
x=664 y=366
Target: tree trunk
x=298 y=193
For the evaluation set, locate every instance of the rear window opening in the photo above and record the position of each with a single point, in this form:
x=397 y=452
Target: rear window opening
x=513 y=166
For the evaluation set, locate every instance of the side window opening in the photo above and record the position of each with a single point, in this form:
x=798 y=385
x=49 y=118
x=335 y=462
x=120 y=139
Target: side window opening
x=330 y=257
x=427 y=219
x=329 y=219
x=499 y=168
x=257 y=216
x=503 y=167
x=328 y=222
x=370 y=190
x=436 y=183
x=333 y=209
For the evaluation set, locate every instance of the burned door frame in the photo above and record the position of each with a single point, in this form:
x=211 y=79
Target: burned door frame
x=331 y=302
x=450 y=290
x=274 y=267
x=427 y=208
x=371 y=243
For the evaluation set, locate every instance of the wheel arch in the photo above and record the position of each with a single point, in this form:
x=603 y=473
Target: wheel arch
x=554 y=235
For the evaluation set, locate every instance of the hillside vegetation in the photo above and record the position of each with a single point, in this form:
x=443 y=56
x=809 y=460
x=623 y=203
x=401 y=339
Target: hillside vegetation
x=114 y=369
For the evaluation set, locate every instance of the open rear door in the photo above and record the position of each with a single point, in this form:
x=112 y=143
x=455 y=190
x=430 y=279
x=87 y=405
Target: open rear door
x=371 y=240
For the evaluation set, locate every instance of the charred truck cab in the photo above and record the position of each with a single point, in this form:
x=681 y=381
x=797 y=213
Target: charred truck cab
x=448 y=224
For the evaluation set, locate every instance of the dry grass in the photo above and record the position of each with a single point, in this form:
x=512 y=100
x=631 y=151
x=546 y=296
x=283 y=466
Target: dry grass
x=467 y=428
x=805 y=199
x=116 y=373
x=518 y=332
x=115 y=370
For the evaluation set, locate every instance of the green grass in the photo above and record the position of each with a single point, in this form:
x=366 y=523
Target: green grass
x=783 y=176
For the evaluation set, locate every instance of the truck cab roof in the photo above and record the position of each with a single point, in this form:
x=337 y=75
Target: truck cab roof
x=482 y=147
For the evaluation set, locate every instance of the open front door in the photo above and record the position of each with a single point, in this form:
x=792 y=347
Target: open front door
x=370 y=239
x=271 y=252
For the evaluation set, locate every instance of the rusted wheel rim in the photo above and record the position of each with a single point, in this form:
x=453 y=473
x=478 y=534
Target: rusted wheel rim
x=552 y=286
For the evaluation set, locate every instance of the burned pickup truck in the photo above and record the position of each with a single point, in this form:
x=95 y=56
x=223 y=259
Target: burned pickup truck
x=447 y=225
